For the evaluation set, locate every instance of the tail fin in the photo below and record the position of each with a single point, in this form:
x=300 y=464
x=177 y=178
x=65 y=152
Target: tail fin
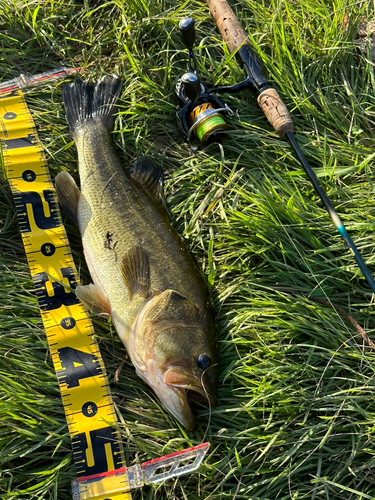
x=84 y=102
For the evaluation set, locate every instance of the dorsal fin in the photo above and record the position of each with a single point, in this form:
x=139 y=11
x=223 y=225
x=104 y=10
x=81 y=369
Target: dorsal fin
x=135 y=270
x=150 y=176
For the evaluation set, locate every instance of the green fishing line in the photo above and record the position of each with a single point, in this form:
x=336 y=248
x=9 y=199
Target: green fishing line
x=210 y=125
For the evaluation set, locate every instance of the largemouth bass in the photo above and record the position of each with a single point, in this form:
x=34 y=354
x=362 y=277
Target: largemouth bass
x=143 y=275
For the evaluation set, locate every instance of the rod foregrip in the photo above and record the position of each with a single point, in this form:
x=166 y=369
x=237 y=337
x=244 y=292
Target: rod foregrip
x=230 y=29
x=276 y=112
x=237 y=41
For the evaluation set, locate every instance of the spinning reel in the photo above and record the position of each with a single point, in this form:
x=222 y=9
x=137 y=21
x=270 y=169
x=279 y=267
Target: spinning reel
x=202 y=113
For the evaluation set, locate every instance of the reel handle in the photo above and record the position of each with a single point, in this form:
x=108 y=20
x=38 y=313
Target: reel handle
x=187 y=31
x=237 y=41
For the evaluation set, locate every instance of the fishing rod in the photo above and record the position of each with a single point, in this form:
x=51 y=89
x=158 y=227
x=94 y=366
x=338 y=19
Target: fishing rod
x=202 y=113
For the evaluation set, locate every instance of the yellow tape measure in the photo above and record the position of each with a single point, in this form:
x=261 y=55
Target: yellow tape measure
x=79 y=367
x=97 y=449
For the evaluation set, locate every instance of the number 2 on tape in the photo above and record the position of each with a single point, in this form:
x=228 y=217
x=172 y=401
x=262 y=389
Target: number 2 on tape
x=86 y=397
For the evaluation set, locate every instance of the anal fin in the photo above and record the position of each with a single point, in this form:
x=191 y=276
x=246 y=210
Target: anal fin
x=68 y=194
x=93 y=299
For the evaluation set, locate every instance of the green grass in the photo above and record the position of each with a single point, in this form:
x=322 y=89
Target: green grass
x=296 y=400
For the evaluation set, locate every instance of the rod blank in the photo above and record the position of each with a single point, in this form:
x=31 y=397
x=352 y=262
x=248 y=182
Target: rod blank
x=276 y=111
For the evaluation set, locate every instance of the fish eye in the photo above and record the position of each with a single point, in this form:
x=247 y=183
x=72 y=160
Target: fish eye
x=204 y=361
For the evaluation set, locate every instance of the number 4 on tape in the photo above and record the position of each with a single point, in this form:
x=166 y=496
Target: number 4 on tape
x=97 y=449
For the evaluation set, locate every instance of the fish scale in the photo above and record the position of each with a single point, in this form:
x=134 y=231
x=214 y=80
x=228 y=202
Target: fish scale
x=142 y=272
x=75 y=354
x=109 y=196
x=87 y=401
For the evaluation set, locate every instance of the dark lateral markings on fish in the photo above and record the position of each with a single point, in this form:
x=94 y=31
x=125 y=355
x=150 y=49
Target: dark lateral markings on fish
x=77 y=365
x=61 y=296
x=98 y=439
x=34 y=199
x=21 y=142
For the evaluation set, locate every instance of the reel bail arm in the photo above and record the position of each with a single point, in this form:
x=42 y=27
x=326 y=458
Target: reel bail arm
x=201 y=111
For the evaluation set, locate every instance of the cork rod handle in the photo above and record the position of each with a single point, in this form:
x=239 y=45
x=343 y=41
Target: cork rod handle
x=234 y=36
x=230 y=29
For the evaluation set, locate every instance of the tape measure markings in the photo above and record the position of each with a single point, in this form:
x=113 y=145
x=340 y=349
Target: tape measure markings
x=80 y=371
x=85 y=391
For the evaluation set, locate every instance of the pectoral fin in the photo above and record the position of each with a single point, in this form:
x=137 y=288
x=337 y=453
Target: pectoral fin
x=150 y=176
x=93 y=299
x=68 y=194
x=135 y=270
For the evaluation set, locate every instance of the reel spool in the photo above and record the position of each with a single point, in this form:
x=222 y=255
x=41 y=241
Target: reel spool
x=207 y=123
x=202 y=117
x=202 y=112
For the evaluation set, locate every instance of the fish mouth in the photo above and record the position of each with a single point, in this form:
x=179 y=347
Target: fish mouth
x=179 y=390
x=192 y=389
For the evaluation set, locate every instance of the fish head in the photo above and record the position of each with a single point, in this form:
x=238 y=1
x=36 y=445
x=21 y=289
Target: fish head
x=177 y=350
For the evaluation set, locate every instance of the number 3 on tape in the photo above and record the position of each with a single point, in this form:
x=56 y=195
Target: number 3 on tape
x=97 y=449
x=83 y=382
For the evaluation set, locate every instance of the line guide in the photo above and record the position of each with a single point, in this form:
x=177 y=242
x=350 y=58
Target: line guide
x=97 y=447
